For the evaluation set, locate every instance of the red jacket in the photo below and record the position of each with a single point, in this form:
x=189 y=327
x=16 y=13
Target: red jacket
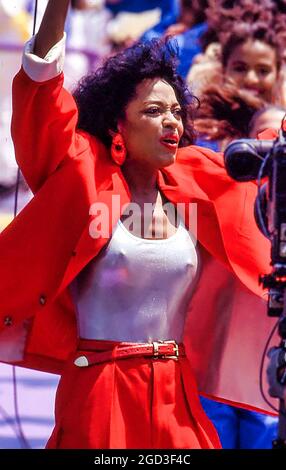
x=48 y=243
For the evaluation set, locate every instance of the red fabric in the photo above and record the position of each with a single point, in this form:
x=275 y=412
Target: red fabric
x=269 y=134
x=48 y=243
x=124 y=350
x=125 y=406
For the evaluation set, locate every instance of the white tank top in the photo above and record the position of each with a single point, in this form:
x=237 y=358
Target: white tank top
x=137 y=289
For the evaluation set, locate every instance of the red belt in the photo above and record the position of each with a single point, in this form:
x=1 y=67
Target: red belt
x=156 y=350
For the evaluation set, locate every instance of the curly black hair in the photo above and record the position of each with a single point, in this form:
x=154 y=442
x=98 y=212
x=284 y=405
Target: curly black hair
x=263 y=20
x=103 y=95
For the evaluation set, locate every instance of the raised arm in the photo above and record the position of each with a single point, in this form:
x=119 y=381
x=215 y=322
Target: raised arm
x=44 y=114
x=52 y=26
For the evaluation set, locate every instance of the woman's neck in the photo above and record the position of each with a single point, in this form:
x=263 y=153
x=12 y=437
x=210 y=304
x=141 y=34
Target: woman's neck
x=142 y=180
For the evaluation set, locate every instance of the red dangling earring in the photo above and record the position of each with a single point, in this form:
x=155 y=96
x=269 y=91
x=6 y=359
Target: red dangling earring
x=118 y=149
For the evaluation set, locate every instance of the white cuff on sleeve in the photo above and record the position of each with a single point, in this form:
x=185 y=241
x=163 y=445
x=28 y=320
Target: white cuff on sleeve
x=39 y=69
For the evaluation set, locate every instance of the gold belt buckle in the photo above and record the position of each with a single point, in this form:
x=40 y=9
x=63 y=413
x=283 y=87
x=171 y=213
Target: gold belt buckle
x=155 y=345
x=165 y=356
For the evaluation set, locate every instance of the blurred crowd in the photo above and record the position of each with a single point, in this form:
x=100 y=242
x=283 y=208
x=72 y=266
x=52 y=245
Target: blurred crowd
x=231 y=53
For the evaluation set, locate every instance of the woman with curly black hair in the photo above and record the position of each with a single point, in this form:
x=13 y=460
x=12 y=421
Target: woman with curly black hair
x=102 y=280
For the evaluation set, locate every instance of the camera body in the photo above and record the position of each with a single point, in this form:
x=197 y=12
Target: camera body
x=250 y=159
x=243 y=158
x=265 y=161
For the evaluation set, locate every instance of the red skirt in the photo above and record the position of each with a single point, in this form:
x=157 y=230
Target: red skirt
x=136 y=402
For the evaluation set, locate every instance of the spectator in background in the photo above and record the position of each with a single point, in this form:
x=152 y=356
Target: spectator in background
x=248 y=74
x=14 y=30
x=169 y=8
x=133 y=17
x=251 y=60
x=241 y=91
x=268 y=117
x=228 y=113
x=236 y=81
x=248 y=50
x=87 y=39
x=189 y=27
x=224 y=114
